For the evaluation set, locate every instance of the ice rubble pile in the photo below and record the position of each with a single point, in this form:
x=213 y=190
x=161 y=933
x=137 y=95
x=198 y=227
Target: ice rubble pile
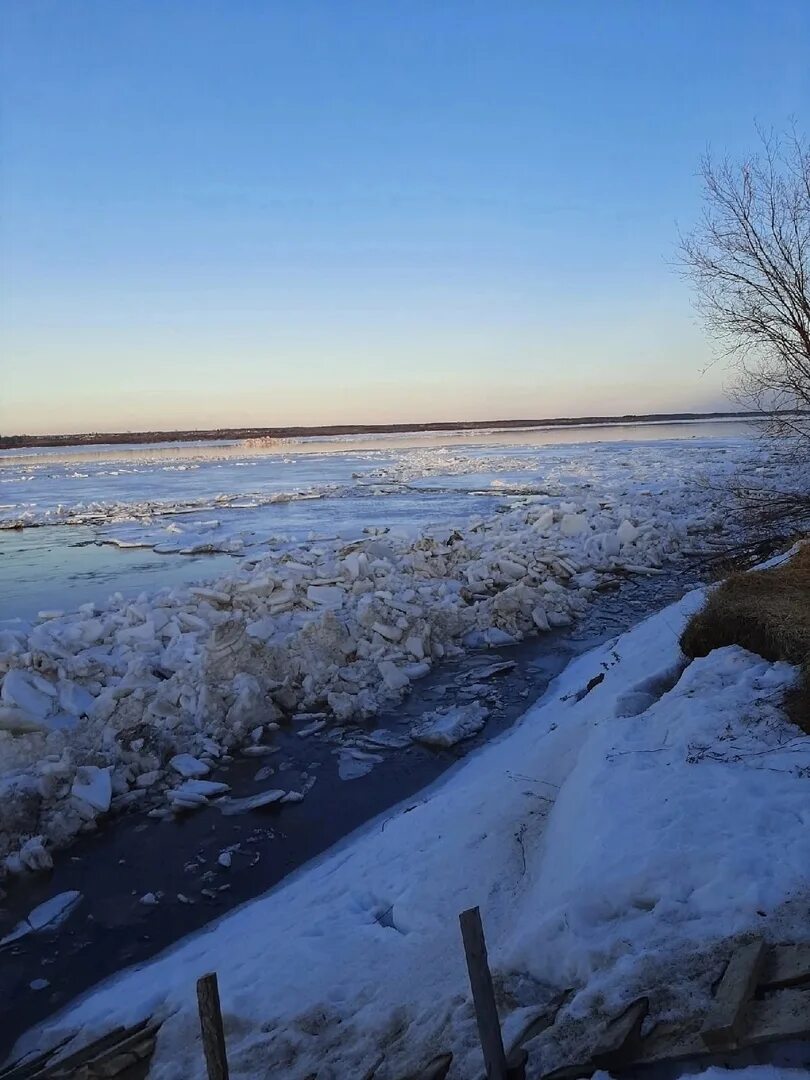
x=111 y=512
x=95 y=704
x=145 y=503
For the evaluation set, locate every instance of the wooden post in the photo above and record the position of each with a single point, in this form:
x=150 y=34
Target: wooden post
x=486 y=1012
x=213 y=1036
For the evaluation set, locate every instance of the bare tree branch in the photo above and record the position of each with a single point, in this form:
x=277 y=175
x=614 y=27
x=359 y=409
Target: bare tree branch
x=749 y=263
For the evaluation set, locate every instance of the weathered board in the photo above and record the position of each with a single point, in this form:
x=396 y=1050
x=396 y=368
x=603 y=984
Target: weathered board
x=622 y=1037
x=213 y=1035
x=785 y=965
x=723 y=1025
x=782 y=1016
x=108 y=1056
x=486 y=1012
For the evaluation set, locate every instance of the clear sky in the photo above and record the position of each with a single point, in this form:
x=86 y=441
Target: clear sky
x=223 y=212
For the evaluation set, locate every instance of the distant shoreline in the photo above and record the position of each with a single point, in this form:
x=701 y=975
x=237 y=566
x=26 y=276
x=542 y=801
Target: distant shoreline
x=17 y=442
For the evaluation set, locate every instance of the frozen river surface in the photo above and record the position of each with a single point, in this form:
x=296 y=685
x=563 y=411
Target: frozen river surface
x=195 y=633
x=173 y=602
x=107 y=517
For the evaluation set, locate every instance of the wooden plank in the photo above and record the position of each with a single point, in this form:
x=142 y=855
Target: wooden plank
x=784 y=1015
x=24 y=1066
x=213 y=1035
x=622 y=1037
x=779 y=1018
x=723 y=1023
x=137 y=1047
x=669 y=1042
x=64 y=1066
x=486 y=1011
x=545 y=1016
x=785 y=965
x=45 y=1067
x=108 y=1045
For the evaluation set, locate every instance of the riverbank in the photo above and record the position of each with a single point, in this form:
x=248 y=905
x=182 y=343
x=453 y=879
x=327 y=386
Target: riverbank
x=113 y=868
x=159 y=713
x=575 y=833
x=417 y=556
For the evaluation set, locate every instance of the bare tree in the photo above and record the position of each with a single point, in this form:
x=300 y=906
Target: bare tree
x=749 y=261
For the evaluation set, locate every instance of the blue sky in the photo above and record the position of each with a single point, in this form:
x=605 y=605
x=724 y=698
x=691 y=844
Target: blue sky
x=244 y=212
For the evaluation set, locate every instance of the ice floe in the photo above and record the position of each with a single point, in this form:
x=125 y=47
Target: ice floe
x=446 y=727
x=46 y=916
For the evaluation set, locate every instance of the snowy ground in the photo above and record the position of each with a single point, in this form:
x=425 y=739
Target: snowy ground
x=101 y=707
x=647 y=813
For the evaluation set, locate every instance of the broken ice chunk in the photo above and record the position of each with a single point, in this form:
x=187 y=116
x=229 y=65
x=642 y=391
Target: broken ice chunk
x=18 y=721
x=93 y=786
x=47 y=916
x=195 y=793
x=54 y=911
x=382 y=738
x=488 y=672
x=352 y=764
x=74 y=698
x=626 y=532
x=393 y=677
x=189 y=767
x=572 y=524
x=34 y=856
x=330 y=596
x=252 y=802
x=446 y=727
x=20 y=690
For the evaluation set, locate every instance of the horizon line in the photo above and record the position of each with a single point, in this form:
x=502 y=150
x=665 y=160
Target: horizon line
x=24 y=440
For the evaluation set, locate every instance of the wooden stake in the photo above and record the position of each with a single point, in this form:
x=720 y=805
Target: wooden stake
x=213 y=1036
x=486 y=1011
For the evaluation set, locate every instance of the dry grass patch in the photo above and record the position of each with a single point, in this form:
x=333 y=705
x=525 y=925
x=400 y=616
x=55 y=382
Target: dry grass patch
x=766 y=612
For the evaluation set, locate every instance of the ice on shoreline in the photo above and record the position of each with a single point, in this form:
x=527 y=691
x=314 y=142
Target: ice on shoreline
x=340 y=626
x=169 y=683
x=613 y=852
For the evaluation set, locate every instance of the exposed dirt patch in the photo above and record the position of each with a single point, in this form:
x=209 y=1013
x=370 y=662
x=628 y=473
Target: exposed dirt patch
x=766 y=612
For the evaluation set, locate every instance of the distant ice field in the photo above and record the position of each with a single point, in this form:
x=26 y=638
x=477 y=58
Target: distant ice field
x=79 y=523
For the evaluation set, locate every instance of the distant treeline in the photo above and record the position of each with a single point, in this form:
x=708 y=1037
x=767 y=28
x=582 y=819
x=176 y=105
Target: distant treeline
x=13 y=442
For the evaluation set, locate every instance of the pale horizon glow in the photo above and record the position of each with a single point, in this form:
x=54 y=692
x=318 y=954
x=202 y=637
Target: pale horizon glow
x=225 y=215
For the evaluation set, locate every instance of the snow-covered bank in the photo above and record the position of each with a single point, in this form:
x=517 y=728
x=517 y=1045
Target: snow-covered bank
x=615 y=840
